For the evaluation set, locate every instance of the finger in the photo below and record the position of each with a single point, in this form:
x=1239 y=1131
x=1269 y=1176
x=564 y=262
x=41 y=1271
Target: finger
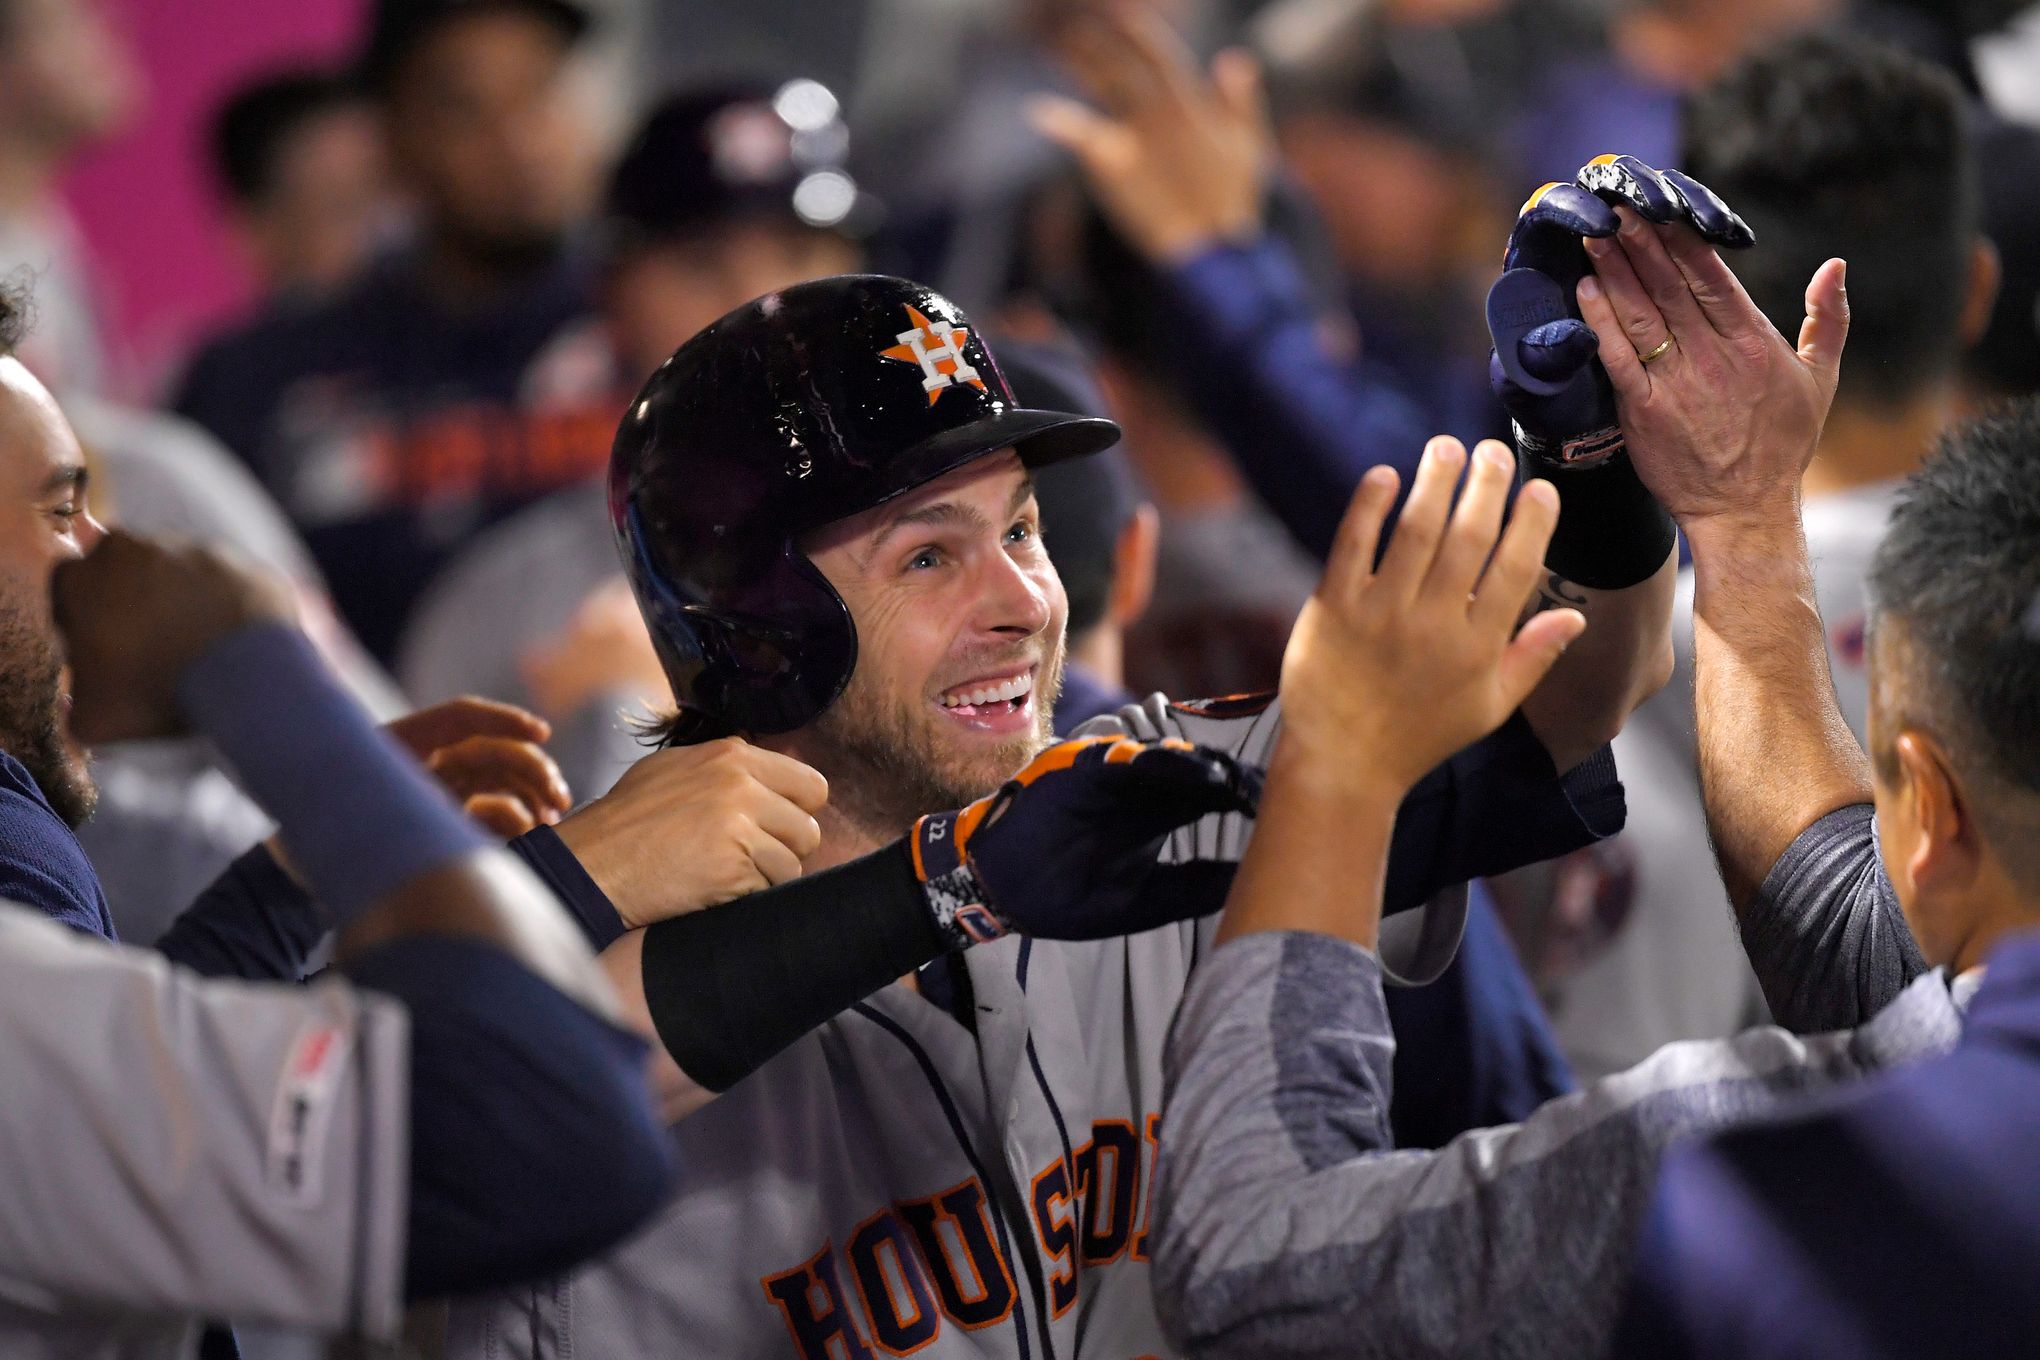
x=1619 y=354
x=428 y=729
x=801 y=784
x=1825 y=331
x=1713 y=285
x=1535 y=650
x=1154 y=53
x=1417 y=531
x=1662 y=279
x=1635 y=185
x=1711 y=217
x=495 y=765
x=502 y=814
x=774 y=861
x=1352 y=558
x=1236 y=76
x=1470 y=537
x=1518 y=563
x=1195 y=780
x=788 y=823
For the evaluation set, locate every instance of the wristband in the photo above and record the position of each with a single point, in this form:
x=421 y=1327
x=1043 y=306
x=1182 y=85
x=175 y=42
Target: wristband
x=952 y=890
x=1611 y=533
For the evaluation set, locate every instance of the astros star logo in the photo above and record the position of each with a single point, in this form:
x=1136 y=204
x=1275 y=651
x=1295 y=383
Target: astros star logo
x=939 y=352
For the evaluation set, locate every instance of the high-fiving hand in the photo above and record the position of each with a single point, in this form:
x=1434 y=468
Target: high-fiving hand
x=1391 y=668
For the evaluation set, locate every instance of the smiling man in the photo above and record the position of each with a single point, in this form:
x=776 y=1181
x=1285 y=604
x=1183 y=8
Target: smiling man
x=824 y=502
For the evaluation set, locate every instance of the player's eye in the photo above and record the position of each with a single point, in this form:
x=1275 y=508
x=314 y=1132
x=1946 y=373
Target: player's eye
x=924 y=559
x=1021 y=532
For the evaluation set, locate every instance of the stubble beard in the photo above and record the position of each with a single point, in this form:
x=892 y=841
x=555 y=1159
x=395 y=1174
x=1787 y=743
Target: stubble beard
x=31 y=715
x=888 y=763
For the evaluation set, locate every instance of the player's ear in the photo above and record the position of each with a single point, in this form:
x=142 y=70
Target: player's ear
x=1133 y=565
x=1986 y=273
x=1947 y=854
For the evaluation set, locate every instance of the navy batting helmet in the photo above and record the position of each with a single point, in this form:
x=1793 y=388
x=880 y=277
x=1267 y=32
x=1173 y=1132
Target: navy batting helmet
x=803 y=407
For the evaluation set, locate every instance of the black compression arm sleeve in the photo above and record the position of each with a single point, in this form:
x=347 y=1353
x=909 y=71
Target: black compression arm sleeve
x=1612 y=533
x=731 y=986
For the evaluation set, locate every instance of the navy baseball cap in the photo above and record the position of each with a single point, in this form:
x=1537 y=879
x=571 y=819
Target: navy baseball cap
x=734 y=152
x=400 y=25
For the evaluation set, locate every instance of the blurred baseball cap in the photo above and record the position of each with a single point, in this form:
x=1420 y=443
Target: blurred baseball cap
x=738 y=152
x=398 y=26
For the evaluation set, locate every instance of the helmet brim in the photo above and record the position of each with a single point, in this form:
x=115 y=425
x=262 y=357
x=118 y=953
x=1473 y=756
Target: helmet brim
x=1039 y=437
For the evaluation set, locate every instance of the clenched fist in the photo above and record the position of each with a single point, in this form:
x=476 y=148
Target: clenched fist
x=692 y=826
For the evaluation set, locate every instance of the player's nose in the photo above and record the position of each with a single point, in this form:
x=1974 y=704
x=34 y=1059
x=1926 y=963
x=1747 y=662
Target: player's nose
x=1011 y=599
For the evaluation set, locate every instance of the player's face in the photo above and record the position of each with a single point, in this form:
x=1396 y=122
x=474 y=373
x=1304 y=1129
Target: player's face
x=486 y=129
x=43 y=521
x=959 y=646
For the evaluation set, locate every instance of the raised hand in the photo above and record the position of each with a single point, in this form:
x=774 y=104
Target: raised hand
x=1065 y=848
x=1391 y=668
x=1723 y=420
x=1544 y=366
x=1176 y=160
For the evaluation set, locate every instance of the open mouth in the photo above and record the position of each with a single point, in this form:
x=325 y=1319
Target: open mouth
x=995 y=703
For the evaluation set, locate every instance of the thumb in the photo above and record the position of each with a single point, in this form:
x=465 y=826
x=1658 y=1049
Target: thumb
x=1535 y=649
x=1826 y=328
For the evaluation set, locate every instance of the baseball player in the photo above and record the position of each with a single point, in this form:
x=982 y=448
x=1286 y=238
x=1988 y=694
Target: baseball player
x=823 y=502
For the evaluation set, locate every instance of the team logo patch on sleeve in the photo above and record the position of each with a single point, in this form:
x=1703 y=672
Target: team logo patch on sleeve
x=303 y=1113
x=939 y=352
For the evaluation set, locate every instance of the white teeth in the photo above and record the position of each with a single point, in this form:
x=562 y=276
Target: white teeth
x=1004 y=691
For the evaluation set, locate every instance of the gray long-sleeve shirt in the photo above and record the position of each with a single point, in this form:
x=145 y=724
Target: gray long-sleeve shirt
x=1288 y=1226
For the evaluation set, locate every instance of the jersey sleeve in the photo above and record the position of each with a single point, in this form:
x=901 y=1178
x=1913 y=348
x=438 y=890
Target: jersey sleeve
x=183 y=1147
x=1825 y=933
x=1494 y=806
x=1286 y=1223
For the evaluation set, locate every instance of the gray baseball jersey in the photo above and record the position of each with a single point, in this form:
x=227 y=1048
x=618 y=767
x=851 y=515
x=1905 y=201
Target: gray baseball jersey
x=896 y=1182
x=176 y=1148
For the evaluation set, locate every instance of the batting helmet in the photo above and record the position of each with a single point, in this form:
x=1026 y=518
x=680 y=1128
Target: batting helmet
x=800 y=408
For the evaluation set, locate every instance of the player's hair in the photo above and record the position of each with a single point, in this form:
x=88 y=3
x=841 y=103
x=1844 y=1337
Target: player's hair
x=250 y=129
x=1836 y=145
x=1959 y=573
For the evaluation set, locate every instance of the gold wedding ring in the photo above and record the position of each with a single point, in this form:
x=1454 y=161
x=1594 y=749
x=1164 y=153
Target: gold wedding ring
x=1655 y=354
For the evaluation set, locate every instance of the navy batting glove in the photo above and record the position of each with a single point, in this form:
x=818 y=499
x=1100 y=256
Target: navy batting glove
x=1545 y=366
x=1064 y=850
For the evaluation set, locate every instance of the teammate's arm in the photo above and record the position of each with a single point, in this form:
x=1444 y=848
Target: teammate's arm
x=510 y=1031
x=728 y=987
x=1722 y=428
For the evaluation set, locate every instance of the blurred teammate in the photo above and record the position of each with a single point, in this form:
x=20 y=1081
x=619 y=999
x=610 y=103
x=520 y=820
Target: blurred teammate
x=299 y=159
x=66 y=84
x=435 y=395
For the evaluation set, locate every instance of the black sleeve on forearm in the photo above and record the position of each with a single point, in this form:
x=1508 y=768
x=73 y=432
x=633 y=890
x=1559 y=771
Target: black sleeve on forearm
x=253 y=922
x=731 y=986
x=534 y=1144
